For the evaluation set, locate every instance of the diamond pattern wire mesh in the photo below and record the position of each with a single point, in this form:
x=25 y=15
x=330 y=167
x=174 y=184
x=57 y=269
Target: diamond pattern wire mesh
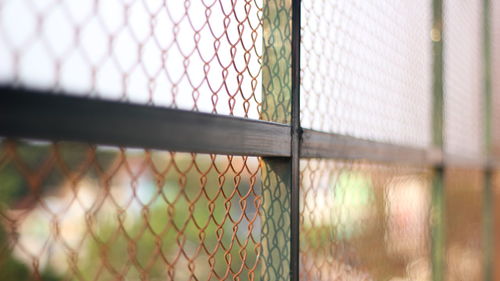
x=364 y=221
x=77 y=212
x=276 y=64
x=366 y=69
x=496 y=224
x=195 y=55
x=495 y=72
x=463 y=78
x=71 y=211
x=464 y=133
x=84 y=212
x=276 y=107
x=366 y=72
x=464 y=209
x=464 y=111
x=275 y=216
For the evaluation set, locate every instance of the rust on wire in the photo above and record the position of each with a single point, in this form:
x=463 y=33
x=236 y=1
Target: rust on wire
x=77 y=211
x=333 y=160
x=74 y=211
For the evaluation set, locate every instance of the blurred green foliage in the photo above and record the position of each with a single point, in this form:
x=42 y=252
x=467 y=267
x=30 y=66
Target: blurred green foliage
x=182 y=214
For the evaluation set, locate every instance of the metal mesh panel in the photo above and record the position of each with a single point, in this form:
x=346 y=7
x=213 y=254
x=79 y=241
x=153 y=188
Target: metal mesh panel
x=275 y=213
x=366 y=69
x=196 y=55
x=496 y=224
x=276 y=63
x=73 y=211
x=495 y=73
x=362 y=221
x=463 y=222
x=76 y=212
x=463 y=79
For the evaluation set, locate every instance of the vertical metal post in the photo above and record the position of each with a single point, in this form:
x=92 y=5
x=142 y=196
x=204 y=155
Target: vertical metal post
x=296 y=136
x=438 y=254
x=488 y=210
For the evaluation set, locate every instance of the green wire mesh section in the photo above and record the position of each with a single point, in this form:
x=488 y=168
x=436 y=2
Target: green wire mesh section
x=275 y=218
x=276 y=63
x=276 y=172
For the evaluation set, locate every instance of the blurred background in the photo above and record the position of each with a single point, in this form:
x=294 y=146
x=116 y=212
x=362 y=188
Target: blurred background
x=85 y=211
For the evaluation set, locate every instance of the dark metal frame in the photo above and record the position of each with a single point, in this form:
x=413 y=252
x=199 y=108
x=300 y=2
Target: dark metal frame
x=295 y=145
x=36 y=114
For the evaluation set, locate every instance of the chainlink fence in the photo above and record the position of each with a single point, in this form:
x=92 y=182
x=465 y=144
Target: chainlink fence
x=154 y=140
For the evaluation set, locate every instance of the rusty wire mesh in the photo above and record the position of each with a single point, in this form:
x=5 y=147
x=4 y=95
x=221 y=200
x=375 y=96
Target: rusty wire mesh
x=496 y=224
x=72 y=211
x=463 y=78
x=84 y=212
x=364 y=221
x=366 y=69
x=195 y=55
x=463 y=222
x=77 y=212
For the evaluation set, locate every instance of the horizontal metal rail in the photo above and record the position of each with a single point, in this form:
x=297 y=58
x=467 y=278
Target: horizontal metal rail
x=31 y=114
x=328 y=145
x=35 y=114
x=461 y=161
